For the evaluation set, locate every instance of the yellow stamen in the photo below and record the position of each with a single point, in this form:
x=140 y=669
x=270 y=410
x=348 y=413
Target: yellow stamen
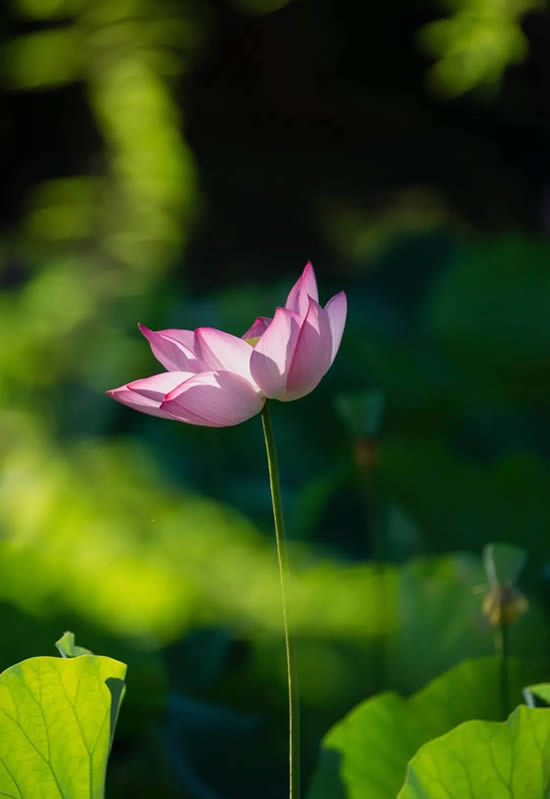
x=252 y=341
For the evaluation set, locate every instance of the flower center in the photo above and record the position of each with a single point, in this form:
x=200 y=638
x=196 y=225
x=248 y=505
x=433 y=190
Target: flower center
x=252 y=341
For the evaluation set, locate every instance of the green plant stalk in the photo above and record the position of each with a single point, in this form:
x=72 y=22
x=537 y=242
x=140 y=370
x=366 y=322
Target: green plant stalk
x=293 y=697
x=502 y=649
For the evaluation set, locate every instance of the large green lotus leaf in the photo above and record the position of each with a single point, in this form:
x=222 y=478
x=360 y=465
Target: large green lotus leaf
x=365 y=756
x=481 y=759
x=57 y=719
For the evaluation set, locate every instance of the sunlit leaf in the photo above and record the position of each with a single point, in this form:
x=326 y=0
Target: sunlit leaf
x=56 y=726
x=481 y=759
x=67 y=647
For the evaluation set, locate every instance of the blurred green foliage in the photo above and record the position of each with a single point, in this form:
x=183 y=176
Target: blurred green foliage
x=127 y=53
x=259 y=6
x=477 y=43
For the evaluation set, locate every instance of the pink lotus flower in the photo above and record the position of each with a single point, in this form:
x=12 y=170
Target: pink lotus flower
x=218 y=380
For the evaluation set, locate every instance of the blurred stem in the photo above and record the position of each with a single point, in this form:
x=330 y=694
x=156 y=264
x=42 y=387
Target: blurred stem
x=502 y=649
x=293 y=699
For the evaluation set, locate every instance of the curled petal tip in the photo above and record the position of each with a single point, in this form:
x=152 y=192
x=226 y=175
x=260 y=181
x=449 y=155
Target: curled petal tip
x=146 y=331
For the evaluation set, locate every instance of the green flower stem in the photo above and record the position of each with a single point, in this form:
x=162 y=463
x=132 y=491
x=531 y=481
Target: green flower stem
x=293 y=699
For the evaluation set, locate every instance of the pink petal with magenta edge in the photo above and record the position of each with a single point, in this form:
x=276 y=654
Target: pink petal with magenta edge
x=214 y=399
x=312 y=353
x=221 y=351
x=337 y=309
x=138 y=402
x=304 y=288
x=272 y=355
x=158 y=386
x=174 y=349
x=260 y=326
